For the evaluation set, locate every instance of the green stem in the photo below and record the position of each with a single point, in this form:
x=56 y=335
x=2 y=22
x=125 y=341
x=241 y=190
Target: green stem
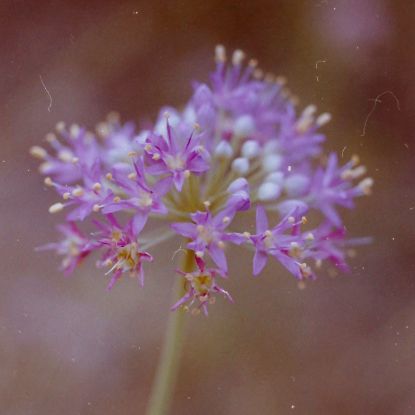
x=167 y=369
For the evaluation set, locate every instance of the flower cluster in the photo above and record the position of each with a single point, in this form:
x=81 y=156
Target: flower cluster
x=239 y=144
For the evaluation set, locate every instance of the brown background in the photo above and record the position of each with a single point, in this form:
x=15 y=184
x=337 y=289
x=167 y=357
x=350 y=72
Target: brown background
x=342 y=346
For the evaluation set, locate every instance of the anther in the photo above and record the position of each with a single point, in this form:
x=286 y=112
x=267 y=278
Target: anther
x=132 y=176
x=116 y=199
x=199 y=254
x=132 y=154
x=221 y=244
x=156 y=156
x=237 y=57
x=268 y=233
x=48 y=181
x=148 y=147
x=60 y=127
x=38 y=152
x=97 y=187
x=206 y=204
x=108 y=176
x=66 y=195
x=56 y=207
x=220 y=53
x=96 y=208
x=303 y=220
x=50 y=138
x=323 y=119
x=247 y=235
x=186 y=174
x=226 y=219
x=78 y=192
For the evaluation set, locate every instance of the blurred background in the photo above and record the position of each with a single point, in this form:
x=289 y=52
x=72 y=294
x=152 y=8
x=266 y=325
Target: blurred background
x=342 y=346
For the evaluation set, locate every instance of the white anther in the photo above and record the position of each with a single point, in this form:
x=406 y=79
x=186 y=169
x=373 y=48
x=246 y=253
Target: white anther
x=38 y=152
x=96 y=208
x=132 y=154
x=56 y=207
x=45 y=167
x=132 y=176
x=366 y=185
x=60 y=127
x=74 y=160
x=186 y=174
x=221 y=245
x=226 y=219
x=304 y=220
x=156 y=156
x=108 y=176
x=268 y=191
x=206 y=204
x=237 y=57
x=65 y=155
x=200 y=228
x=272 y=162
x=244 y=126
x=240 y=166
x=309 y=237
x=199 y=254
x=220 y=53
x=246 y=234
x=48 y=181
x=250 y=149
x=66 y=195
x=323 y=119
x=50 y=138
x=291 y=219
x=117 y=199
x=308 y=111
x=148 y=147
x=166 y=114
x=224 y=149
x=268 y=233
x=74 y=130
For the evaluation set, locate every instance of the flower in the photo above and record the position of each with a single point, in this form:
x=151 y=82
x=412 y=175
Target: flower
x=201 y=287
x=238 y=146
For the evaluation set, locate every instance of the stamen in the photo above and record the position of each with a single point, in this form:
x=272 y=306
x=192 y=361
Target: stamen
x=97 y=187
x=220 y=53
x=38 y=152
x=108 y=176
x=56 y=207
x=66 y=195
x=323 y=119
x=96 y=208
x=237 y=57
x=60 y=127
x=48 y=181
x=78 y=192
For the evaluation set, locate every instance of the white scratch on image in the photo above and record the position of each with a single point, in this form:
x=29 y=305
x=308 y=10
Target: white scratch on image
x=376 y=101
x=47 y=92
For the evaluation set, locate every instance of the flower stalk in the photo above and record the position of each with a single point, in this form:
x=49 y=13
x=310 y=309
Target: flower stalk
x=166 y=374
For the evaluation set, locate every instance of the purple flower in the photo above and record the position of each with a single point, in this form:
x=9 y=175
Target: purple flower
x=275 y=242
x=141 y=198
x=122 y=251
x=197 y=175
x=207 y=234
x=176 y=156
x=201 y=287
x=74 y=247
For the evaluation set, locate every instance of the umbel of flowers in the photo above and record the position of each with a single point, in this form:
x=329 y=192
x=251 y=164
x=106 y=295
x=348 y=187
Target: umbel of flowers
x=239 y=144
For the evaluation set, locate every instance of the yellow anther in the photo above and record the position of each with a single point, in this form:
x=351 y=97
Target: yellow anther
x=66 y=195
x=78 y=192
x=116 y=199
x=221 y=245
x=132 y=176
x=108 y=176
x=132 y=154
x=97 y=187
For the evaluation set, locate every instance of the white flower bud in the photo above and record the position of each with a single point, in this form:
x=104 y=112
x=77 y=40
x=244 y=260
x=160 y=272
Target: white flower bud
x=268 y=191
x=296 y=184
x=250 y=149
x=244 y=126
x=240 y=166
x=272 y=162
x=224 y=149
